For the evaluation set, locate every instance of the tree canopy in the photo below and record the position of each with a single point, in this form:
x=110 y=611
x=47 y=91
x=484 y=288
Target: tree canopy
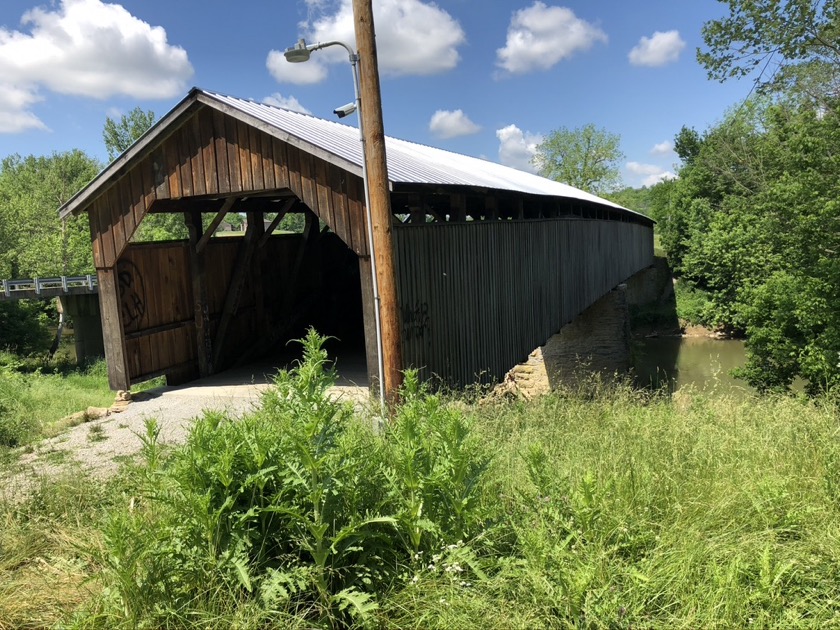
x=33 y=240
x=586 y=157
x=120 y=134
x=798 y=41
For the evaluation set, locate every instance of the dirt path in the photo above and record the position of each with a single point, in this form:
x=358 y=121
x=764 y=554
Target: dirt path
x=100 y=446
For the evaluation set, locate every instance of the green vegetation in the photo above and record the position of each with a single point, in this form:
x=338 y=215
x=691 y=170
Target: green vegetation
x=33 y=403
x=604 y=508
x=587 y=158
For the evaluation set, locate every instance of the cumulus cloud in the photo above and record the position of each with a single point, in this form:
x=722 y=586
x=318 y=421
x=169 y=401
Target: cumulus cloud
x=517 y=148
x=659 y=50
x=85 y=48
x=662 y=148
x=649 y=174
x=451 y=124
x=420 y=39
x=286 y=102
x=541 y=36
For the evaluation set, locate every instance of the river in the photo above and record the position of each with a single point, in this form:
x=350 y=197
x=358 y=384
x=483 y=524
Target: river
x=701 y=362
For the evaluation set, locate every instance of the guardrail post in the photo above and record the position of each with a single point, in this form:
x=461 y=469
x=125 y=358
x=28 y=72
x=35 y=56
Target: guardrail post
x=90 y=282
x=37 y=286
x=6 y=288
x=64 y=284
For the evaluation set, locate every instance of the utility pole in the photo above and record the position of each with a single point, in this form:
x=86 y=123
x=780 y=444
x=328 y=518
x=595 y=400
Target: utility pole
x=380 y=196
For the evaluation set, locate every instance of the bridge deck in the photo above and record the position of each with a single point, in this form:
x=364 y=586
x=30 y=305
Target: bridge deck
x=42 y=288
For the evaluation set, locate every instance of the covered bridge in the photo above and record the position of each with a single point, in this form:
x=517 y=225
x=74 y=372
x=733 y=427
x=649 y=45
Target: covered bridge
x=490 y=261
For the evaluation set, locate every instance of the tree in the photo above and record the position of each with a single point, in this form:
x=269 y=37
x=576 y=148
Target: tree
x=753 y=220
x=33 y=240
x=120 y=135
x=586 y=157
x=799 y=39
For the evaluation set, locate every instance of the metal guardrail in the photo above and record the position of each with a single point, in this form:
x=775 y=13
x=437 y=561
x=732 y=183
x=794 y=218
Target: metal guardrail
x=49 y=286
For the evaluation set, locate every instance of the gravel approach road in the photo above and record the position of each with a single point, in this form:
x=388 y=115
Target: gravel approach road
x=99 y=446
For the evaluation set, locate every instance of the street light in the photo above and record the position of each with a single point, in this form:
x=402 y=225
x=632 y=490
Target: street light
x=300 y=53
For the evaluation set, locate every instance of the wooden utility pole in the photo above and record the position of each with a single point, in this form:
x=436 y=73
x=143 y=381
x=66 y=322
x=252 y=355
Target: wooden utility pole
x=380 y=196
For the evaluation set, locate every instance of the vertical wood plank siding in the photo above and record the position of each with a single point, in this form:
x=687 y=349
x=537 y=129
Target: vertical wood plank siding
x=155 y=301
x=477 y=297
x=211 y=154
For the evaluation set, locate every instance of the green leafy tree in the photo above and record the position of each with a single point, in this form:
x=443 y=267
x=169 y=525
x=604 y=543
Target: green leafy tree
x=588 y=158
x=120 y=134
x=799 y=39
x=33 y=240
x=753 y=220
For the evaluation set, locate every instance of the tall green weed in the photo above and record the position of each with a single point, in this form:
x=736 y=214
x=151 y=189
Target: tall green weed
x=298 y=509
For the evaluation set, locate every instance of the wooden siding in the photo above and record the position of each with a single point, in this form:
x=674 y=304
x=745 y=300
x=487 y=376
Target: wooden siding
x=156 y=306
x=213 y=155
x=476 y=298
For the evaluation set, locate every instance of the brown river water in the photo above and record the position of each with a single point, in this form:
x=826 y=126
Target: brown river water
x=700 y=362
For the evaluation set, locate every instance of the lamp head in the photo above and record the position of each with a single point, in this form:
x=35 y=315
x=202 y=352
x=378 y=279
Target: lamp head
x=298 y=53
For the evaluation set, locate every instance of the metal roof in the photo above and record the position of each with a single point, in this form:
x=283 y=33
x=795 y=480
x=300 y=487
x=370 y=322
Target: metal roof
x=408 y=162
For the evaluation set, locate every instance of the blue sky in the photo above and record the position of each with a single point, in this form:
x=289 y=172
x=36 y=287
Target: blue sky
x=487 y=78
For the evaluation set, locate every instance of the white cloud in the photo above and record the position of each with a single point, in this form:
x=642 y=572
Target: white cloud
x=659 y=50
x=540 y=36
x=517 y=148
x=14 y=101
x=648 y=174
x=286 y=102
x=86 y=48
x=451 y=124
x=420 y=39
x=662 y=148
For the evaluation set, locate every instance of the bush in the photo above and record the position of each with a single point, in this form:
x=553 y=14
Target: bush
x=297 y=509
x=25 y=327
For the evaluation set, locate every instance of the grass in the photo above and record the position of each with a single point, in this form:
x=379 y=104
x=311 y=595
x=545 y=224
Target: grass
x=607 y=507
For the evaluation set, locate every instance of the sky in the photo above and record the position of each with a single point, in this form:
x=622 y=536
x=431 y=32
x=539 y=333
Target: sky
x=487 y=78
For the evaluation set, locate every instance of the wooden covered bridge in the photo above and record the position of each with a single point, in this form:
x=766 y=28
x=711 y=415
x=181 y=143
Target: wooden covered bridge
x=490 y=261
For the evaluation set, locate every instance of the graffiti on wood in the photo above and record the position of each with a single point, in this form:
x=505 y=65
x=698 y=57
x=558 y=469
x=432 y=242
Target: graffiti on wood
x=415 y=320
x=132 y=295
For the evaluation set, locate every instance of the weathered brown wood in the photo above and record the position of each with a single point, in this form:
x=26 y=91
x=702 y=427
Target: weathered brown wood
x=231 y=136
x=221 y=152
x=215 y=223
x=267 y=165
x=204 y=344
x=96 y=237
x=281 y=164
x=185 y=153
x=380 y=200
x=196 y=155
x=112 y=330
x=276 y=221
x=310 y=231
x=244 y=141
x=208 y=150
x=255 y=144
x=241 y=269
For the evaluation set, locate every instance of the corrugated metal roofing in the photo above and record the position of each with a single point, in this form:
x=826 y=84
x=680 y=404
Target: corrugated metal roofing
x=408 y=162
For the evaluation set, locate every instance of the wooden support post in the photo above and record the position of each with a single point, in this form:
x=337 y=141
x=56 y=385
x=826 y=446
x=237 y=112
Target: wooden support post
x=380 y=197
x=217 y=220
x=276 y=221
x=491 y=208
x=241 y=269
x=415 y=209
x=199 y=291
x=112 y=330
x=457 y=207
